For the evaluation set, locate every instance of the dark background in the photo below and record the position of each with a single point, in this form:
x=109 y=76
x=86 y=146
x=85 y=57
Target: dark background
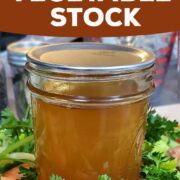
x=6 y=38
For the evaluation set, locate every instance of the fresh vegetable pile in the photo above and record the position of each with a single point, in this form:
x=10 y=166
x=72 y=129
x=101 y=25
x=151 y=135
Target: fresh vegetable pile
x=16 y=142
x=17 y=148
x=161 y=137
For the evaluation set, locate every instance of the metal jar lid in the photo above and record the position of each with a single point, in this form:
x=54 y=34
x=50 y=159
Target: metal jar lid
x=89 y=58
x=17 y=51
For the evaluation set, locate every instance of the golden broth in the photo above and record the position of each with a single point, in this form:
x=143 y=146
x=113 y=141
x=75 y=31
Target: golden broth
x=82 y=143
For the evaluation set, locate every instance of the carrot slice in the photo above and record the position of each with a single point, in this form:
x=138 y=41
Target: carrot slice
x=13 y=174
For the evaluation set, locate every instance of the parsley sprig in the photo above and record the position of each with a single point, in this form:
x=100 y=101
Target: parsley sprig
x=161 y=135
x=16 y=141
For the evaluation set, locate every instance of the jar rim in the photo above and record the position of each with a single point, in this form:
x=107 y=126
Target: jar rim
x=17 y=51
x=35 y=54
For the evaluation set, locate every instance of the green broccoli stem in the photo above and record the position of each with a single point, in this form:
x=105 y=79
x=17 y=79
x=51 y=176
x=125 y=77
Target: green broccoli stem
x=15 y=146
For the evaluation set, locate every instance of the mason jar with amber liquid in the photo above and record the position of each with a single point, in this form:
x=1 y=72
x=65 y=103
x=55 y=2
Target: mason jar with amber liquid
x=90 y=104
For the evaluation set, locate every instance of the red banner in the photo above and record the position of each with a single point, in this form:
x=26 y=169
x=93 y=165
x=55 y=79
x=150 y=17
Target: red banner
x=89 y=17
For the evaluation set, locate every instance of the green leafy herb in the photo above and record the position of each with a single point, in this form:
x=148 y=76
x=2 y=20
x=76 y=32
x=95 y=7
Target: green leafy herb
x=54 y=177
x=153 y=172
x=16 y=141
x=158 y=126
x=161 y=135
x=28 y=173
x=104 y=177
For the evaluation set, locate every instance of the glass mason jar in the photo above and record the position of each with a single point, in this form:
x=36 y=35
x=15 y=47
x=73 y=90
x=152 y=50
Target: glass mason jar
x=90 y=104
x=17 y=59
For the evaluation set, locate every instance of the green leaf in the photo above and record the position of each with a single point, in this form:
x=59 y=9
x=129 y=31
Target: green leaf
x=161 y=146
x=54 y=177
x=16 y=136
x=147 y=146
x=169 y=165
x=28 y=173
x=152 y=172
x=15 y=146
x=158 y=126
x=104 y=177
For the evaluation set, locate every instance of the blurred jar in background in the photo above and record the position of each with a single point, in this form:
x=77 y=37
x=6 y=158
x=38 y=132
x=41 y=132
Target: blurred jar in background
x=52 y=39
x=17 y=59
x=161 y=45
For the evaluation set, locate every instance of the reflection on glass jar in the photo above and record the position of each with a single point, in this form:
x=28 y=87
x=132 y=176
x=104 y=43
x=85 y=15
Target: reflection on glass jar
x=3 y=89
x=17 y=59
x=89 y=103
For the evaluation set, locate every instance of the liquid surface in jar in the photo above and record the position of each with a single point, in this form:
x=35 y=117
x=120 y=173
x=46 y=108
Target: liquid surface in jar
x=92 y=58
